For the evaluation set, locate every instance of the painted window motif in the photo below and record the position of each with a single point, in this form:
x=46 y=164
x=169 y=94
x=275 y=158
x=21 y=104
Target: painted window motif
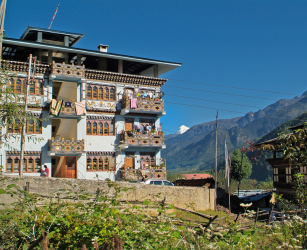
x=32 y=127
x=99 y=127
x=96 y=92
x=147 y=159
x=17 y=85
x=100 y=163
x=31 y=163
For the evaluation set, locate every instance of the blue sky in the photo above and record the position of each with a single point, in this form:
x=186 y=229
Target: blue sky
x=243 y=44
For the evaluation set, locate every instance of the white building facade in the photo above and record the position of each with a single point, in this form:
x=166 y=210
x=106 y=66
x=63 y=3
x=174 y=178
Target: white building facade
x=100 y=111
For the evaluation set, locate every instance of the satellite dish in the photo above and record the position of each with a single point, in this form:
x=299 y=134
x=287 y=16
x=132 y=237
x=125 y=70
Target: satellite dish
x=161 y=94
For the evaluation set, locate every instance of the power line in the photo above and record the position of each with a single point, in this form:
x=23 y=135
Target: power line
x=221 y=93
x=223 y=86
x=215 y=101
x=204 y=107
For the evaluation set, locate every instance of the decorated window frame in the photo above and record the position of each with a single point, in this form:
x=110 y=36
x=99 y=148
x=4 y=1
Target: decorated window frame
x=101 y=126
x=147 y=159
x=32 y=127
x=100 y=162
x=18 y=85
x=100 y=92
x=31 y=162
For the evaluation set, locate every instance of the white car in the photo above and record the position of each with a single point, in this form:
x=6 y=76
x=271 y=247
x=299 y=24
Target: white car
x=158 y=182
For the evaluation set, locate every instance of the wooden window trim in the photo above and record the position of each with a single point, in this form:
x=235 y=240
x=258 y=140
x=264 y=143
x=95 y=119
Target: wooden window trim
x=100 y=89
x=91 y=122
x=25 y=163
x=102 y=159
x=37 y=128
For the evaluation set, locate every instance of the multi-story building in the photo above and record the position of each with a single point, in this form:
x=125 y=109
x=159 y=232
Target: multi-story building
x=101 y=111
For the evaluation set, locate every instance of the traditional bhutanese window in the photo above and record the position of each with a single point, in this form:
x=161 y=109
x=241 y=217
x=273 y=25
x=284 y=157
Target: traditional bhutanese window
x=31 y=163
x=15 y=85
x=36 y=88
x=100 y=92
x=147 y=159
x=100 y=163
x=89 y=92
x=32 y=127
x=99 y=127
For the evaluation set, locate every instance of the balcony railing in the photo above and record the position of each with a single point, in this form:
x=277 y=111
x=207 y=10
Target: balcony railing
x=143 y=105
x=67 y=70
x=123 y=78
x=75 y=71
x=23 y=67
x=142 y=140
x=142 y=174
x=66 y=146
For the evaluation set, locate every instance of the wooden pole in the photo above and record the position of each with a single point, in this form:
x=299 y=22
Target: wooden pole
x=215 y=161
x=256 y=219
x=24 y=119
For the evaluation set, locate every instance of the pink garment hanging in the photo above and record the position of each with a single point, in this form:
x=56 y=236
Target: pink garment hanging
x=133 y=103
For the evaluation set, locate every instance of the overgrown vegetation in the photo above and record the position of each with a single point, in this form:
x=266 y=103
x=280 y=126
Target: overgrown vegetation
x=72 y=219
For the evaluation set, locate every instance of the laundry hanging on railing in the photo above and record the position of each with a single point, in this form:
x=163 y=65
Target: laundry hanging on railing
x=80 y=108
x=55 y=107
x=133 y=102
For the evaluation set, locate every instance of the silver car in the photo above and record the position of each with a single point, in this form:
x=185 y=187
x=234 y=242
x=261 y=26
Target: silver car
x=158 y=182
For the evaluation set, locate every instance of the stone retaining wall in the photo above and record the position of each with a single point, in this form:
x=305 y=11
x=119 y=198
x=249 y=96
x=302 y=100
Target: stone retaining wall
x=195 y=198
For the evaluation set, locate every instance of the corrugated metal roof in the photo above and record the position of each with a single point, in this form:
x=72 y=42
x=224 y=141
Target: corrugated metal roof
x=252 y=195
x=197 y=176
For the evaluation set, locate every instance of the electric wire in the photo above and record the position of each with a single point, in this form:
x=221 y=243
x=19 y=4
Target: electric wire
x=222 y=93
x=231 y=87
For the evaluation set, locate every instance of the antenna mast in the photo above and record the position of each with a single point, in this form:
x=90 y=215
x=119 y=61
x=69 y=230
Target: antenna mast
x=54 y=16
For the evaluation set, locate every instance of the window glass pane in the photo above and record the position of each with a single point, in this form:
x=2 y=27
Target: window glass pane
x=94 y=164
x=100 y=94
x=88 y=128
x=18 y=86
x=89 y=92
x=100 y=128
x=89 y=163
x=30 y=126
x=106 y=128
x=95 y=90
x=112 y=94
x=106 y=164
x=100 y=167
x=38 y=127
x=106 y=94
x=94 y=128
x=157 y=182
x=16 y=165
x=166 y=183
x=9 y=165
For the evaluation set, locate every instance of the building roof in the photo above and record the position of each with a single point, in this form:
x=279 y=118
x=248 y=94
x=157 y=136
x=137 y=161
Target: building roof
x=252 y=195
x=30 y=34
x=11 y=44
x=196 y=176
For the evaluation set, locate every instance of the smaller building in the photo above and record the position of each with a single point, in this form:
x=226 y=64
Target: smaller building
x=259 y=198
x=195 y=180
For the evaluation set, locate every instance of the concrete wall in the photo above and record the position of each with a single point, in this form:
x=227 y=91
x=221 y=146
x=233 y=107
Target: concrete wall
x=194 y=198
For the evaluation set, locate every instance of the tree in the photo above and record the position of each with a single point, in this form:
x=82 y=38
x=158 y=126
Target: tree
x=241 y=167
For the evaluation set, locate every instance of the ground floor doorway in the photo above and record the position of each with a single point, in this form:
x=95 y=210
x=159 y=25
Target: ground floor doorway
x=64 y=167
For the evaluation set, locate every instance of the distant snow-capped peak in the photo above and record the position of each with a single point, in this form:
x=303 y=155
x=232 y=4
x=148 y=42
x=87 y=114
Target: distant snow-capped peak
x=182 y=129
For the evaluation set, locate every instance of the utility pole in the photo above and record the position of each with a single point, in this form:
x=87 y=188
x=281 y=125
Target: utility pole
x=23 y=131
x=2 y=15
x=229 y=169
x=217 y=115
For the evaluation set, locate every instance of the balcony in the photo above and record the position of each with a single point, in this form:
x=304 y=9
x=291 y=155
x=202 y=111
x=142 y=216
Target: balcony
x=143 y=105
x=67 y=71
x=142 y=174
x=14 y=66
x=62 y=70
x=123 y=78
x=65 y=147
x=142 y=140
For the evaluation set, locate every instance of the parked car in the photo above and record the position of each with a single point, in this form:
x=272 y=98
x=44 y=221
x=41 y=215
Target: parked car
x=158 y=182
